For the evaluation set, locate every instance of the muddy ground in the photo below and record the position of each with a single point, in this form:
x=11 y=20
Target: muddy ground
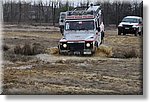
x=46 y=73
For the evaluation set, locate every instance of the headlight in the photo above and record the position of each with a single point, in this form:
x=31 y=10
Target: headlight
x=120 y=25
x=64 y=45
x=88 y=45
x=135 y=26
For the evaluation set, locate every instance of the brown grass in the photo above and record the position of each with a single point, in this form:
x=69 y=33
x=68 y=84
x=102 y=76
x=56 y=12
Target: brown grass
x=126 y=53
x=52 y=50
x=5 y=47
x=29 y=49
x=130 y=53
x=104 y=51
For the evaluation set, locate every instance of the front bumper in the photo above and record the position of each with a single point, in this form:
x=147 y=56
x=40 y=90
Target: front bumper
x=127 y=30
x=85 y=52
x=76 y=48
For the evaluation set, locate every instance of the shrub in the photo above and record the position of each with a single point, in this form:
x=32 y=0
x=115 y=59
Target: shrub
x=17 y=49
x=37 y=48
x=118 y=53
x=16 y=57
x=5 y=47
x=130 y=53
x=125 y=53
x=27 y=49
x=104 y=51
x=52 y=50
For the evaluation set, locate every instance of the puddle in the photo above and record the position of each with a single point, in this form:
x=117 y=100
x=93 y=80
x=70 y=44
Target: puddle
x=47 y=58
x=83 y=65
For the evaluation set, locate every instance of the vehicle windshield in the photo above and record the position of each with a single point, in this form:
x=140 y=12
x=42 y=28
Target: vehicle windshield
x=79 y=25
x=131 y=20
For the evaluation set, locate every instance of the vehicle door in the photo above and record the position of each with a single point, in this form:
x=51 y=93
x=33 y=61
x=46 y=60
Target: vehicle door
x=98 y=32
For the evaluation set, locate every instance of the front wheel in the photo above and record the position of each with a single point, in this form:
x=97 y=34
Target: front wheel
x=124 y=33
x=141 y=33
x=96 y=44
x=119 y=33
x=136 y=33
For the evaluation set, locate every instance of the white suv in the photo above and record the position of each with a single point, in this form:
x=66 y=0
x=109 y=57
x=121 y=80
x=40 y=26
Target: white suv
x=131 y=25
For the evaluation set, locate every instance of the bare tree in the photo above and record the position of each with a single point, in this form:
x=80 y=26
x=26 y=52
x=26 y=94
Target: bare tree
x=39 y=12
x=19 y=12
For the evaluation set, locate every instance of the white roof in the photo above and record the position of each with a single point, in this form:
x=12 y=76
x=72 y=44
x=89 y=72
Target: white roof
x=133 y=17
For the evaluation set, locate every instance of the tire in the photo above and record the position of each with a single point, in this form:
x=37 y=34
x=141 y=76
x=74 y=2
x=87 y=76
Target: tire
x=119 y=33
x=93 y=52
x=136 y=33
x=140 y=33
x=96 y=44
x=59 y=50
x=124 y=33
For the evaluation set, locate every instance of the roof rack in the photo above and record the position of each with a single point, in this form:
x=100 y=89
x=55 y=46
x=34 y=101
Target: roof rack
x=92 y=10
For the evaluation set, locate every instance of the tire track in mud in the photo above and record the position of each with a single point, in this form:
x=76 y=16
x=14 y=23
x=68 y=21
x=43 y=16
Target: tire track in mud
x=75 y=75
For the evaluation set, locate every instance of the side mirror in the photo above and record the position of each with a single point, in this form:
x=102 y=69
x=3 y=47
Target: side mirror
x=140 y=22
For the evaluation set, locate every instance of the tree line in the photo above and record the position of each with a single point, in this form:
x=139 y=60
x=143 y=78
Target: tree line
x=48 y=12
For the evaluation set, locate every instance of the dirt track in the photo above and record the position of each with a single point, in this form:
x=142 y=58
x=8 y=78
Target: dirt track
x=55 y=74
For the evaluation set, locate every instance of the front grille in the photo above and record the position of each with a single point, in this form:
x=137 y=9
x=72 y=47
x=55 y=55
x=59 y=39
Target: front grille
x=128 y=26
x=76 y=46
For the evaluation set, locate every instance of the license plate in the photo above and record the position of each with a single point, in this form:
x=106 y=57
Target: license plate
x=87 y=53
x=126 y=28
x=77 y=53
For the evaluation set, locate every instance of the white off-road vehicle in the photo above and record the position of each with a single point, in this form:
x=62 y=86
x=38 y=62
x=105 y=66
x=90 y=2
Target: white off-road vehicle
x=131 y=25
x=83 y=31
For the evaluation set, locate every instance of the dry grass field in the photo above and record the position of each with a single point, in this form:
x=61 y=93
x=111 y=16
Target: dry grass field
x=116 y=68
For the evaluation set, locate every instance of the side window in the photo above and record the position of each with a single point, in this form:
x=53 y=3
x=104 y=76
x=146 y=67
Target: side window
x=67 y=26
x=96 y=24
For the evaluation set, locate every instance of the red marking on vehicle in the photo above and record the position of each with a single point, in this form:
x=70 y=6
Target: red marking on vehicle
x=88 y=16
x=70 y=17
x=139 y=25
x=79 y=17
